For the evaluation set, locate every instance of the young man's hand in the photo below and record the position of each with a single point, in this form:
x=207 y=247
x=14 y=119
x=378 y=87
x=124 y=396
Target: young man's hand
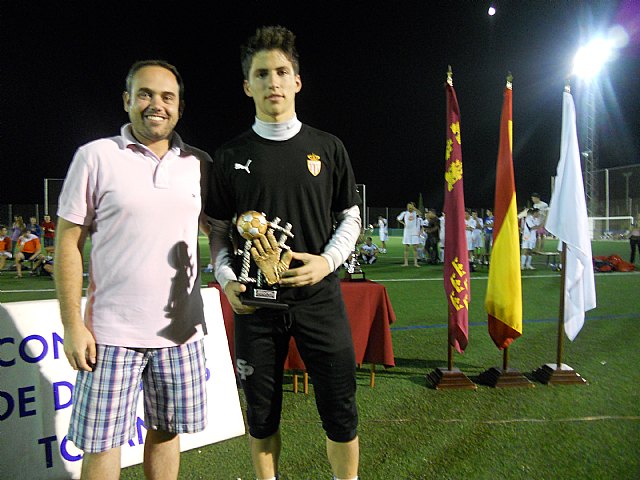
x=313 y=270
x=233 y=290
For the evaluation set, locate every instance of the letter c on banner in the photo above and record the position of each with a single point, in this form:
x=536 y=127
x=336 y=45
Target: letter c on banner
x=65 y=453
x=9 y=363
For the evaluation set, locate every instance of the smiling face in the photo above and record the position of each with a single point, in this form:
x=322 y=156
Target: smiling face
x=273 y=84
x=153 y=104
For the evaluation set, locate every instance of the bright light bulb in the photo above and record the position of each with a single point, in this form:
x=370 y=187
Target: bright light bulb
x=492 y=11
x=590 y=59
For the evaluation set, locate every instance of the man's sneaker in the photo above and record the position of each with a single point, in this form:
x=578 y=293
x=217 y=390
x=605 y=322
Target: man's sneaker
x=372 y=260
x=530 y=267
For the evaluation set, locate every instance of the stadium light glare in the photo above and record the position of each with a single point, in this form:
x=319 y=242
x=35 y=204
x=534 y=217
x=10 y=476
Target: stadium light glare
x=590 y=58
x=491 y=11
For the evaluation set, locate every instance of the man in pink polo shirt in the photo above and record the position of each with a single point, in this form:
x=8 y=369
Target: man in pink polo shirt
x=134 y=329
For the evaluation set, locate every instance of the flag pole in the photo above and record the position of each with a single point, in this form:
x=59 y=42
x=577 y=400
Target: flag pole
x=563 y=283
x=558 y=373
x=452 y=378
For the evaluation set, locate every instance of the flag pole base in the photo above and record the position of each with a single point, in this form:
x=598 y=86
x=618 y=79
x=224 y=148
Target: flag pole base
x=500 y=378
x=454 y=379
x=565 y=375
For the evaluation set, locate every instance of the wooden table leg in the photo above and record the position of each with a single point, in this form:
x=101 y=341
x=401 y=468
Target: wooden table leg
x=295 y=383
x=305 y=387
x=372 y=376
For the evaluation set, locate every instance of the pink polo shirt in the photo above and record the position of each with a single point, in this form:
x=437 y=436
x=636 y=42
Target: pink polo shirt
x=142 y=213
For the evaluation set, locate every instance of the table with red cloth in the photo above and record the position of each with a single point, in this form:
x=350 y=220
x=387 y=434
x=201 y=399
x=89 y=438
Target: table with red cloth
x=370 y=315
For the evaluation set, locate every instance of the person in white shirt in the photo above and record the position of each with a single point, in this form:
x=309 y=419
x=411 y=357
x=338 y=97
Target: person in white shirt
x=529 y=231
x=470 y=226
x=476 y=234
x=369 y=251
x=543 y=208
x=411 y=219
x=383 y=233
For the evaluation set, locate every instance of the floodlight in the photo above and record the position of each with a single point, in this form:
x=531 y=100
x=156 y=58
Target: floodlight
x=590 y=59
x=492 y=11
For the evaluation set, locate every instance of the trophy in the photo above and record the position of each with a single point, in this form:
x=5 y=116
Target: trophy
x=271 y=256
x=353 y=269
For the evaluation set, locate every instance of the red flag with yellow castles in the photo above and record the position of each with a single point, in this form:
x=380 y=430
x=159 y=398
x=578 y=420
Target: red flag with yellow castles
x=457 y=284
x=503 y=301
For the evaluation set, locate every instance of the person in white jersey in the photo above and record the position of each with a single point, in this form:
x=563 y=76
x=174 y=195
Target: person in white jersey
x=383 y=233
x=543 y=208
x=411 y=219
x=529 y=232
x=144 y=319
x=469 y=227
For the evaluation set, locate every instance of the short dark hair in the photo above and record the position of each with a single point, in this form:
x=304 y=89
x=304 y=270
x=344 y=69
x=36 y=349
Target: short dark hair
x=269 y=38
x=155 y=63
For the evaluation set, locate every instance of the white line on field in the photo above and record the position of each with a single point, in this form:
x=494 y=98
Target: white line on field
x=438 y=279
x=514 y=420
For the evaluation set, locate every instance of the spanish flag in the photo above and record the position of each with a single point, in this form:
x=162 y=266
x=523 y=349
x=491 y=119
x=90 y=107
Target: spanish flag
x=457 y=284
x=504 y=291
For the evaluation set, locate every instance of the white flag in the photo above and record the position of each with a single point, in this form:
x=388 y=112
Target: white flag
x=567 y=219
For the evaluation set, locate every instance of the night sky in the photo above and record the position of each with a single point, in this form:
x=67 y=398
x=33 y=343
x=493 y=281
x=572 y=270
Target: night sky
x=372 y=75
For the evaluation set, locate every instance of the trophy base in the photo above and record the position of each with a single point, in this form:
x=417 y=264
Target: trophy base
x=262 y=297
x=354 y=276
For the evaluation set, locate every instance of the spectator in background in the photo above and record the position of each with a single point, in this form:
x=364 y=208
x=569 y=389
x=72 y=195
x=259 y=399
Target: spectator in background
x=529 y=231
x=469 y=227
x=29 y=249
x=45 y=262
x=433 y=236
x=369 y=251
x=16 y=230
x=476 y=235
x=422 y=243
x=543 y=208
x=383 y=232
x=441 y=246
x=5 y=247
x=34 y=227
x=49 y=231
x=488 y=235
x=634 y=239
x=411 y=219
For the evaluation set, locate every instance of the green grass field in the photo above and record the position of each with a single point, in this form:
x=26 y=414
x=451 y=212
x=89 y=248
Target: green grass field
x=409 y=430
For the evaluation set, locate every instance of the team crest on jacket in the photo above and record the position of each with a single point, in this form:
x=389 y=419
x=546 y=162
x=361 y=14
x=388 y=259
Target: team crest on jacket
x=314 y=164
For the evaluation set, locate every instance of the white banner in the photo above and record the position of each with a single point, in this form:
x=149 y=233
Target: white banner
x=36 y=384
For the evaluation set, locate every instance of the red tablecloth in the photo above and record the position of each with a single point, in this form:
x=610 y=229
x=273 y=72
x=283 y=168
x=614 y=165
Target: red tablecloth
x=370 y=314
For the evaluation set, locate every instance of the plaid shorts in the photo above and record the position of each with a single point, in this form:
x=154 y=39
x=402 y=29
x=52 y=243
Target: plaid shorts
x=105 y=400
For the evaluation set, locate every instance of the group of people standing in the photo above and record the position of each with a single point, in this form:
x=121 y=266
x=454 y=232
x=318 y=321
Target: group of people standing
x=115 y=187
x=424 y=234
x=25 y=243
